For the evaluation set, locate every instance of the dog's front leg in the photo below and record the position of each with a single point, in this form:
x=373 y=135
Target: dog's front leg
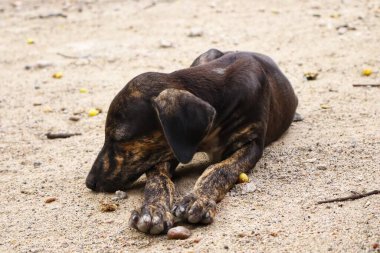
x=154 y=216
x=199 y=206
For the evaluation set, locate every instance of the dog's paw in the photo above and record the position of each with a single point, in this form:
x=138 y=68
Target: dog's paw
x=151 y=219
x=195 y=209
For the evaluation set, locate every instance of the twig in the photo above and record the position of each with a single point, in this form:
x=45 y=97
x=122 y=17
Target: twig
x=53 y=15
x=351 y=197
x=50 y=15
x=366 y=85
x=73 y=57
x=61 y=135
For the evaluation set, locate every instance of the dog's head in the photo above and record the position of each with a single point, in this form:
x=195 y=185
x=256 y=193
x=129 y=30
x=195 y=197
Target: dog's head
x=144 y=127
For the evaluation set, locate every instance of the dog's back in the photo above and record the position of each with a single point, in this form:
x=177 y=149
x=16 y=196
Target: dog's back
x=244 y=88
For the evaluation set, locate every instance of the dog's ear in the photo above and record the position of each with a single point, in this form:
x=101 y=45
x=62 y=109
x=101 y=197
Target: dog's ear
x=185 y=119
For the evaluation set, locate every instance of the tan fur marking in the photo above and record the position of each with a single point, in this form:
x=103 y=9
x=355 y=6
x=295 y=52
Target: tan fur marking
x=136 y=94
x=244 y=132
x=117 y=170
x=106 y=164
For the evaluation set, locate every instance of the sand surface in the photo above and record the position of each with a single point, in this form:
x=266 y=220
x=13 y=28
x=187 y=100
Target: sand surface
x=100 y=45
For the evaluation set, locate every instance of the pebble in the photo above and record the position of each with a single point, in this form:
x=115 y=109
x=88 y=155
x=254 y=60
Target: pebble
x=195 y=32
x=243 y=189
x=47 y=109
x=37 y=164
x=342 y=30
x=51 y=199
x=74 y=118
x=179 y=232
x=311 y=160
x=298 y=117
x=120 y=195
x=248 y=188
x=166 y=44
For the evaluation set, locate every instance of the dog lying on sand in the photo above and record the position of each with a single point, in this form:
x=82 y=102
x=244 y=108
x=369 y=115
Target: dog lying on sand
x=229 y=105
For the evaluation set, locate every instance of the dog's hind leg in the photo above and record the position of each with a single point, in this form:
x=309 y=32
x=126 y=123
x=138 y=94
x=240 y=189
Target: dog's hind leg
x=154 y=216
x=199 y=206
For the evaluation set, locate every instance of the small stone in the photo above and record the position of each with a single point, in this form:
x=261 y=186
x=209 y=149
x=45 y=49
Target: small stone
x=37 y=164
x=311 y=160
x=342 y=30
x=179 y=232
x=274 y=234
x=166 y=44
x=51 y=199
x=298 y=117
x=47 y=109
x=120 y=195
x=195 y=32
x=321 y=167
x=197 y=240
x=74 y=118
x=248 y=188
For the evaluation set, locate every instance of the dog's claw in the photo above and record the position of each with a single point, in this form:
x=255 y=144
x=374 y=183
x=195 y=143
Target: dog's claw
x=151 y=219
x=195 y=210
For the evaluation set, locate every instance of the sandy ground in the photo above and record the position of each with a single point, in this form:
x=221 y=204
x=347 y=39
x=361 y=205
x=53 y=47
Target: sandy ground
x=110 y=42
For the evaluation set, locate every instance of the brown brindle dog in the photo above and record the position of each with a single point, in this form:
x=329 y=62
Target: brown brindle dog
x=229 y=105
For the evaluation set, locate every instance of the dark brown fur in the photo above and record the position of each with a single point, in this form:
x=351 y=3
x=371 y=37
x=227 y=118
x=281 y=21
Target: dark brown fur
x=229 y=105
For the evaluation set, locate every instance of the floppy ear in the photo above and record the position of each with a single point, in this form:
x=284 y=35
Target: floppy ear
x=185 y=119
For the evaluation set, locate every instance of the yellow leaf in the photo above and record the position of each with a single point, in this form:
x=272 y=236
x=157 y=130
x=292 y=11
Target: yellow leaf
x=243 y=178
x=366 y=72
x=93 y=112
x=57 y=75
x=30 y=41
x=83 y=90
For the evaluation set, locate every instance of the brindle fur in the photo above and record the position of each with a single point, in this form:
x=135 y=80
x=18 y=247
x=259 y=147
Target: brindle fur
x=229 y=105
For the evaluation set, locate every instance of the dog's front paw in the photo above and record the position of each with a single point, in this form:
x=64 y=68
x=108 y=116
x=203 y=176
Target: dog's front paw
x=195 y=209
x=151 y=219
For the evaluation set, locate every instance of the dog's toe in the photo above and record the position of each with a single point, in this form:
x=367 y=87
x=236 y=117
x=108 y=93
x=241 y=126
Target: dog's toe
x=151 y=219
x=181 y=208
x=195 y=209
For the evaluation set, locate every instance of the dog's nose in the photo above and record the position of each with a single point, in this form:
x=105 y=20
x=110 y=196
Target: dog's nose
x=91 y=182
